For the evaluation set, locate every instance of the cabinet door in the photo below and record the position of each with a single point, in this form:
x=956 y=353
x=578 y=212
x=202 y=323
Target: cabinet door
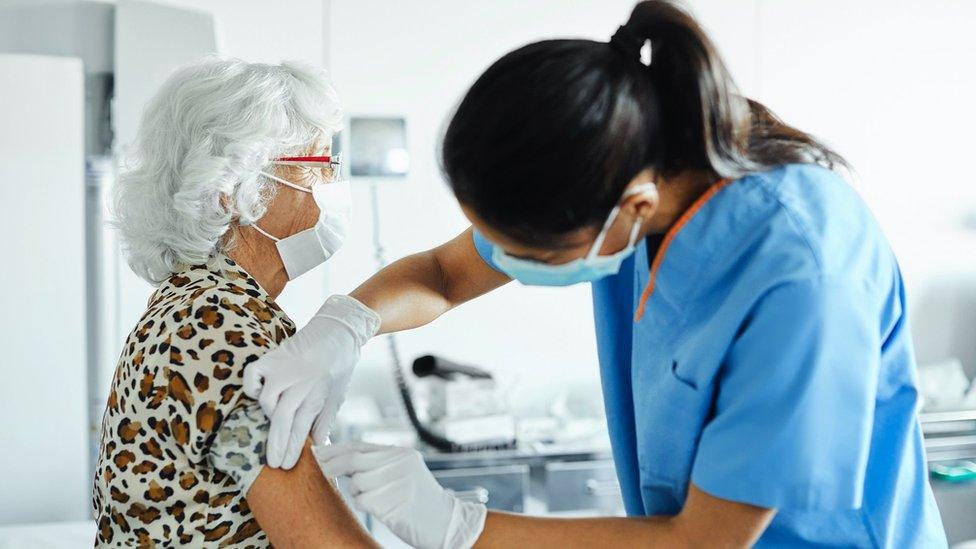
x=43 y=415
x=583 y=487
x=501 y=487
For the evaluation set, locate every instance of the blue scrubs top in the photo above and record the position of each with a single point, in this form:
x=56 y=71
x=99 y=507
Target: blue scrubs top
x=772 y=365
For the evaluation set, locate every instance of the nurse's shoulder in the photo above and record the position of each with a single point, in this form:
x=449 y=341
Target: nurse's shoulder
x=834 y=232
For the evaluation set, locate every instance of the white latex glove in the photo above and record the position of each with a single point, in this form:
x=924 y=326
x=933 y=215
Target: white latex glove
x=394 y=485
x=304 y=381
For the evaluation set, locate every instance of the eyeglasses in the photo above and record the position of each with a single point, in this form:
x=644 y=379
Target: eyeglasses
x=333 y=162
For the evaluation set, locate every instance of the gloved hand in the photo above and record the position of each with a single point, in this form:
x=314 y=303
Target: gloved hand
x=304 y=380
x=394 y=485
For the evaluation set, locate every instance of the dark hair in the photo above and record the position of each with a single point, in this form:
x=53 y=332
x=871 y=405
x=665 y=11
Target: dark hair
x=548 y=137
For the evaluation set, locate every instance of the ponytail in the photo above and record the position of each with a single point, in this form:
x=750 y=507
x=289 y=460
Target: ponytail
x=548 y=137
x=703 y=122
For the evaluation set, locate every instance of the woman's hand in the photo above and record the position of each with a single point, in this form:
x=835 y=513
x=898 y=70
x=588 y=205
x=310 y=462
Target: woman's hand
x=304 y=381
x=394 y=485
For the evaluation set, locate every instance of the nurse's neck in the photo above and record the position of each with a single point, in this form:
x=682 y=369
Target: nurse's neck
x=676 y=195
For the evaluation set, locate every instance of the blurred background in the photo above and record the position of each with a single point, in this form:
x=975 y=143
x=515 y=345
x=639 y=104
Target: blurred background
x=888 y=83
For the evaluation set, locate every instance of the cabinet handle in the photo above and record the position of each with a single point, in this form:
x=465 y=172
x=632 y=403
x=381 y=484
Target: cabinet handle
x=596 y=487
x=475 y=494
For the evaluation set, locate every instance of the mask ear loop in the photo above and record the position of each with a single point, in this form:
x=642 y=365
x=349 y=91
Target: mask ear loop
x=638 y=189
x=634 y=230
x=285 y=183
x=598 y=243
x=262 y=231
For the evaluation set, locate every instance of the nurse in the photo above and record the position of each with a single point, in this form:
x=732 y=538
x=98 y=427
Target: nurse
x=754 y=348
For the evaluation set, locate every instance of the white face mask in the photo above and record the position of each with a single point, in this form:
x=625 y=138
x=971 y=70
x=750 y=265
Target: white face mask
x=305 y=250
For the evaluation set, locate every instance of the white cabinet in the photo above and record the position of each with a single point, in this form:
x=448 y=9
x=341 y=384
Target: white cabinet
x=43 y=421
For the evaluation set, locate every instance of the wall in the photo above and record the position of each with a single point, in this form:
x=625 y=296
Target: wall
x=888 y=83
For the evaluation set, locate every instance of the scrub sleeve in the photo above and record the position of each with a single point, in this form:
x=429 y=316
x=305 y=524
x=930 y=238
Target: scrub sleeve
x=793 y=412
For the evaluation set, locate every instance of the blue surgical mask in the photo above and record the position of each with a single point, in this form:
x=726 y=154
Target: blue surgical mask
x=588 y=268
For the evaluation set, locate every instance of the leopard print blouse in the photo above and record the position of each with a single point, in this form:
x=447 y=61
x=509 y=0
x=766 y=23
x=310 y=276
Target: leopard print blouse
x=180 y=442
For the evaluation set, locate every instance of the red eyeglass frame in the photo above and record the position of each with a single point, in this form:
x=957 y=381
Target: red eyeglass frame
x=334 y=162
x=305 y=159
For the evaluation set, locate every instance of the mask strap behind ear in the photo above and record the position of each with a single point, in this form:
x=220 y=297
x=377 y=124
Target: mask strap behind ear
x=634 y=230
x=638 y=189
x=598 y=243
x=285 y=183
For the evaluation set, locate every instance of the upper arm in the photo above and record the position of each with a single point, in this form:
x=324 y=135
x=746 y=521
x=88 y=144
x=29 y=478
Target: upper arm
x=207 y=355
x=708 y=521
x=466 y=269
x=300 y=508
x=295 y=508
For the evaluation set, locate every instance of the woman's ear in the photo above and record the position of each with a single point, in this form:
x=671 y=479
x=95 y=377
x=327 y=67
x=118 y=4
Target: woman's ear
x=643 y=203
x=227 y=203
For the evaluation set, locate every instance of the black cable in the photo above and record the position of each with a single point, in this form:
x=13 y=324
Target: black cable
x=433 y=439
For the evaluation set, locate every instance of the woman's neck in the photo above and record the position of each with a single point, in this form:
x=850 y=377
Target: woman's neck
x=258 y=256
x=677 y=194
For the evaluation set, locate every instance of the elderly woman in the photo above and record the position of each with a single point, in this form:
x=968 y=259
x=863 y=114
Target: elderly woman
x=230 y=194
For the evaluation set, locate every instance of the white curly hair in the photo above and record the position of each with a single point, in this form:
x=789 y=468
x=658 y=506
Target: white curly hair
x=193 y=169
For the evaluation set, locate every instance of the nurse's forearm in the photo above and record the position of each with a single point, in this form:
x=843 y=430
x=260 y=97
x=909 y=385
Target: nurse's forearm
x=508 y=530
x=705 y=521
x=419 y=288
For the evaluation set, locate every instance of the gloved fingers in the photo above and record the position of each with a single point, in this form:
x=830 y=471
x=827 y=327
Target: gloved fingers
x=336 y=395
x=321 y=429
x=304 y=417
x=346 y=465
x=269 y=397
x=325 y=419
x=348 y=459
x=281 y=423
x=253 y=380
x=328 y=451
x=373 y=479
x=381 y=501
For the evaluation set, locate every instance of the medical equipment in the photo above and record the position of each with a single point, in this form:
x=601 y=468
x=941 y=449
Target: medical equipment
x=378 y=147
x=440 y=441
x=464 y=403
x=954 y=471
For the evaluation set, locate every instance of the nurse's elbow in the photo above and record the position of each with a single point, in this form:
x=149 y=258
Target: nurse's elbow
x=709 y=521
x=462 y=274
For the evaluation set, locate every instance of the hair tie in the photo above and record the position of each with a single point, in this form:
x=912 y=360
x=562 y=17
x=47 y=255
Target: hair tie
x=629 y=44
